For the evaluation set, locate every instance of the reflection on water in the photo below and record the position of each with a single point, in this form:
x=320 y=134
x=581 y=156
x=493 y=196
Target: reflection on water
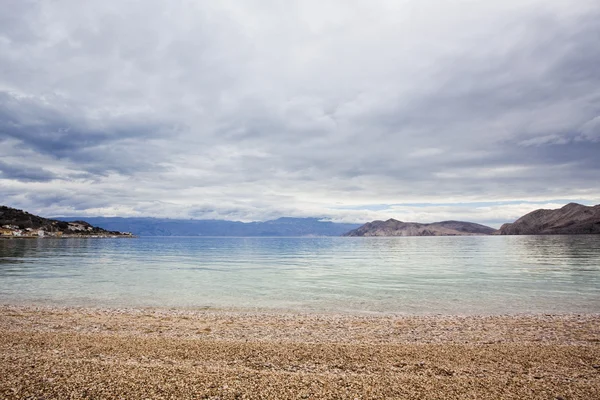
x=457 y=275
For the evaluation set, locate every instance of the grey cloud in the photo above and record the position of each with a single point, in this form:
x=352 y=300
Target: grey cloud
x=25 y=173
x=263 y=110
x=65 y=134
x=591 y=129
x=15 y=22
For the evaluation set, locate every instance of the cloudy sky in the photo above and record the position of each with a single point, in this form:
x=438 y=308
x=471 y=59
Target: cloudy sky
x=251 y=110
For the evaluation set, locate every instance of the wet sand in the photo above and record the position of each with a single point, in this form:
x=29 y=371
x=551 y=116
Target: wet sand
x=77 y=353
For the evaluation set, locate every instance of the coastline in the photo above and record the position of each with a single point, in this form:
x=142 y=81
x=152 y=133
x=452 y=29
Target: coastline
x=79 y=352
x=72 y=237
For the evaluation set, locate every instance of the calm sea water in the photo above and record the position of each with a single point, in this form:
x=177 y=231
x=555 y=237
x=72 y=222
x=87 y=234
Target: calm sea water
x=407 y=275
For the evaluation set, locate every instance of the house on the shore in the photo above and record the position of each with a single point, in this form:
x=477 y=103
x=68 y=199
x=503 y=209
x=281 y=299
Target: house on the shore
x=29 y=232
x=11 y=227
x=74 y=226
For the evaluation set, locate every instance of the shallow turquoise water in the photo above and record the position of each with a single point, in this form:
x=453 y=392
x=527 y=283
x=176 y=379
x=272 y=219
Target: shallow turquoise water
x=406 y=275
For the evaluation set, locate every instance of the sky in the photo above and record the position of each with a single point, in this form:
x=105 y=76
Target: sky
x=345 y=110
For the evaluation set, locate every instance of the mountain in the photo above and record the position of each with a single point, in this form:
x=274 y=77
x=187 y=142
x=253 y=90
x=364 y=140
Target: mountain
x=393 y=227
x=16 y=222
x=571 y=219
x=190 y=227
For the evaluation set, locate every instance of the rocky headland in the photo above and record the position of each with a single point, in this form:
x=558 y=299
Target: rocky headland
x=571 y=219
x=393 y=227
x=19 y=223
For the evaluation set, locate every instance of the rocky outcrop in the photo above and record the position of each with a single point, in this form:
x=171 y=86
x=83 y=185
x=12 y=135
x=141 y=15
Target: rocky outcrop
x=393 y=227
x=22 y=223
x=569 y=220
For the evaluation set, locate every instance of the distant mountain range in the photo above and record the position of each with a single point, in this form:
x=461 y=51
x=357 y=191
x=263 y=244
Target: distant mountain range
x=393 y=227
x=571 y=219
x=191 y=227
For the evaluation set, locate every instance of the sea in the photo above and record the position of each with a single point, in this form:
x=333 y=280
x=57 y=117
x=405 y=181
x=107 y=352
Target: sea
x=481 y=275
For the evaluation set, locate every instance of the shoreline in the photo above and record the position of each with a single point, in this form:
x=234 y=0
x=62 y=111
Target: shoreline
x=292 y=325
x=60 y=352
x=72 y=237
x=45 y=304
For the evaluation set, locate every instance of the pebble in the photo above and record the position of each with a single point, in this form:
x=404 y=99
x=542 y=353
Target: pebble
x=375 y=357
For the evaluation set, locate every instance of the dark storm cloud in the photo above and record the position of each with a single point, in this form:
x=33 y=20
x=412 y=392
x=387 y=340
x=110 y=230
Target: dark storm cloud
x=97 y=147
x=25 y=173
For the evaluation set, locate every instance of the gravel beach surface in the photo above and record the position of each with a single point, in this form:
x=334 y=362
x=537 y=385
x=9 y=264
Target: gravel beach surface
x=49 y=352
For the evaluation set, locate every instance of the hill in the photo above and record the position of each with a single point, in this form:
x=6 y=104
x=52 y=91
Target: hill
x=15 y=222
x=189 y=227
x=393 y=227
x=571 y=219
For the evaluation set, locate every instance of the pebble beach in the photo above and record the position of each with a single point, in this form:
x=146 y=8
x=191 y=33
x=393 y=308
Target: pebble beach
x=71 y=353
